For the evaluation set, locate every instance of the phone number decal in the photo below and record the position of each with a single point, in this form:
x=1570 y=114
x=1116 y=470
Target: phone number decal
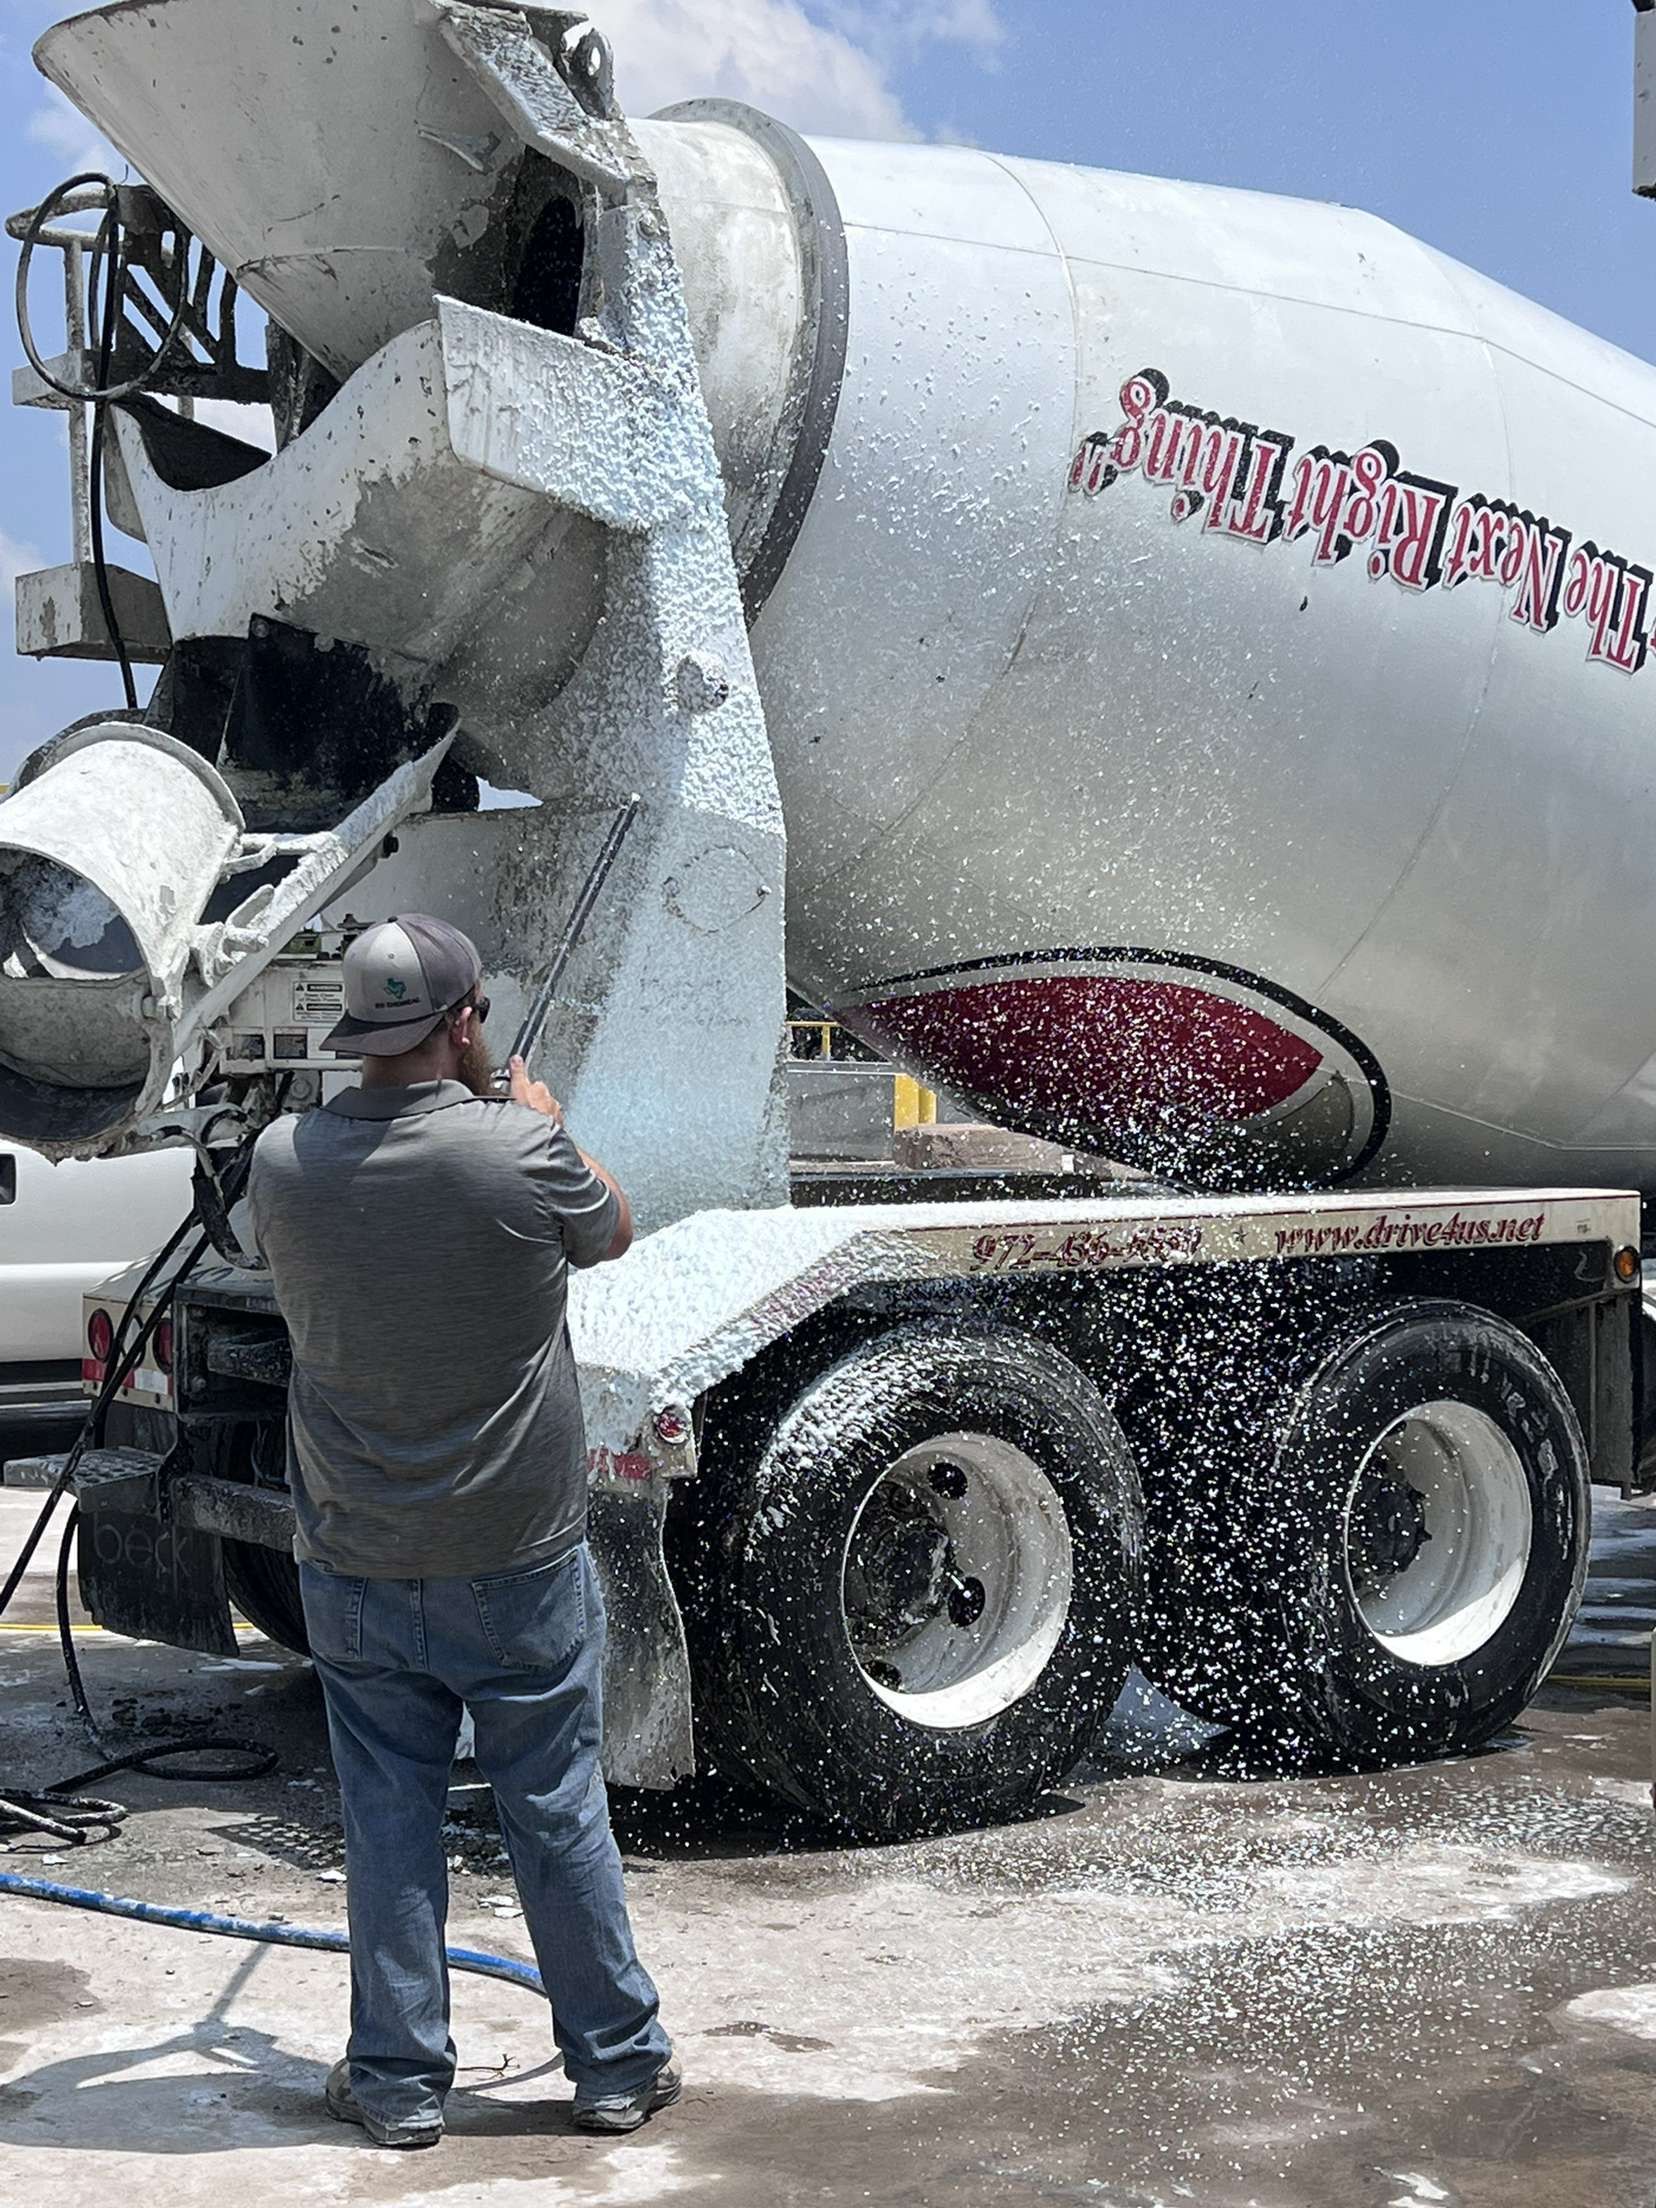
x=1034 y=1250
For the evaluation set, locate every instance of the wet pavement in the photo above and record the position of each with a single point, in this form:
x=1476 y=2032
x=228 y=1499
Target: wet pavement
x=1179 y=1982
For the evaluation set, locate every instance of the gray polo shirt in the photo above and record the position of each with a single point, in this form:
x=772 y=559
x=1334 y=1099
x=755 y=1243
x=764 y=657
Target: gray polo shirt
x=418 y=1241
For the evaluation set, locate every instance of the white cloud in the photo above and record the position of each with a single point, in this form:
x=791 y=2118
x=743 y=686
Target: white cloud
x=972 y=20
x=833 y=74
x=911 y=24
x=824 y=65
x=16 y=558
x=63 y=131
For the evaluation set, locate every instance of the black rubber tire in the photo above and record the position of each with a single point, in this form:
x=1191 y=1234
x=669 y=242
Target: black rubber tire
x=782 y=1702
x=264 y=1586
x=262 y=1583
x=1250 y=1618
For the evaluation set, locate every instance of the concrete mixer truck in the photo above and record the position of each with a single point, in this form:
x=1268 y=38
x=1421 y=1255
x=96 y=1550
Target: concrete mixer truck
x=1164 y=662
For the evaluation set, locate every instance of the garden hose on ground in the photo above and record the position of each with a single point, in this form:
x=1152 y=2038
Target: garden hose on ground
x=470 y=1959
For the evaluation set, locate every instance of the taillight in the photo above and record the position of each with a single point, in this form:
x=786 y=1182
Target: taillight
x=163 y=1345
x=100 y=1336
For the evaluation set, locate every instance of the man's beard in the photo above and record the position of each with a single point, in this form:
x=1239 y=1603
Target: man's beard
x=476 y=1068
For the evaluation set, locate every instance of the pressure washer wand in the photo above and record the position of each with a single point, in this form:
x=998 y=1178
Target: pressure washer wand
x=529 y=1034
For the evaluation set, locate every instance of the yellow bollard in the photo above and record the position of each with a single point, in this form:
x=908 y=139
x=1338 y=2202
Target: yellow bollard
x=912 y=1105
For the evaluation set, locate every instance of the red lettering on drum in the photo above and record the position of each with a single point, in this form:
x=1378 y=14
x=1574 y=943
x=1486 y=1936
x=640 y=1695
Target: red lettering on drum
x=1420 y=534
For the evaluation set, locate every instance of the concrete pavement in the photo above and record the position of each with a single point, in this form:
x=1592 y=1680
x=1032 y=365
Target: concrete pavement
x=1180 y=1982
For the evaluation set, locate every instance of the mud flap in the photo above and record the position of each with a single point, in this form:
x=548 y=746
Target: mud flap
x=153 y=1581
x=647 y=1729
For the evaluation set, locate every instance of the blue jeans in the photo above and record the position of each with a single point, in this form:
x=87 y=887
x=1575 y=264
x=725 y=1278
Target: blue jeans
x=524 y=1653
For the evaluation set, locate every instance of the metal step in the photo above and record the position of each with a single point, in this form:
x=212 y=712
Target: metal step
x=59 y=615
x=100 y=1472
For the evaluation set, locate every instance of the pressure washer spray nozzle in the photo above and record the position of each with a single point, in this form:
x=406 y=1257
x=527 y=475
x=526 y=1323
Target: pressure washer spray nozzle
x=529 y=1034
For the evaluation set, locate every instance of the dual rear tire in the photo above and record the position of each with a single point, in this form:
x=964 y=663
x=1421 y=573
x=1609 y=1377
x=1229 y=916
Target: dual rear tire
x=917 y=1593
x=912 y=1595
x=1380 y=1560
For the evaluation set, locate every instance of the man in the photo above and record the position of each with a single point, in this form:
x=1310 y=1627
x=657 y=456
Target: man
x=417 y=1234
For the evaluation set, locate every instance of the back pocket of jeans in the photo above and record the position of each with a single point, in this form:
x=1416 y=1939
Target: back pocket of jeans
x=333 y=1613
x=535 y=1621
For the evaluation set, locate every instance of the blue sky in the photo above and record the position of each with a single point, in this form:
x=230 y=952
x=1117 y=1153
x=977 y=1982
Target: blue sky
x=1496 y=129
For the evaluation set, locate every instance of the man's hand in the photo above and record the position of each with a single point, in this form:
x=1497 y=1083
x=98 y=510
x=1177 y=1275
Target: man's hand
x=535 y=1094
x=539 y=1098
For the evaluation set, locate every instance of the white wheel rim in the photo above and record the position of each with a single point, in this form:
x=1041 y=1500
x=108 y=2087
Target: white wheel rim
x=1471 y=1499
x=987 y=1599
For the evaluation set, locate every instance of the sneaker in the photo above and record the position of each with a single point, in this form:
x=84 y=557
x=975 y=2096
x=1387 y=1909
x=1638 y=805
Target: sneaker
x=626 y=2111
x=343 y=2103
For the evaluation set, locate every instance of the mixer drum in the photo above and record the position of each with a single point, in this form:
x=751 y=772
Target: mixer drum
x=1209 y=689
x=1202 y=635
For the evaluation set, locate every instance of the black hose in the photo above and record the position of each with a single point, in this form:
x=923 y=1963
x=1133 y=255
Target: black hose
x=59 y=1809
x=253 y=1761
x=92 y=1425
x=103 y=334
x=109 y=260
x=100 y=558
x=60 y=1813
x=99 y=393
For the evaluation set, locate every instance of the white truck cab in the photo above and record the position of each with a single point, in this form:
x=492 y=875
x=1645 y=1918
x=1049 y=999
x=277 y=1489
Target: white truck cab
x=63 y=1229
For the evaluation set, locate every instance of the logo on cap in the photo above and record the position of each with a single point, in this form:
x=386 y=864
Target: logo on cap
x=401 y=978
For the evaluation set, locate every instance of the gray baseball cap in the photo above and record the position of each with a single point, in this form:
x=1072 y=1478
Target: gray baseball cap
x=400 y=979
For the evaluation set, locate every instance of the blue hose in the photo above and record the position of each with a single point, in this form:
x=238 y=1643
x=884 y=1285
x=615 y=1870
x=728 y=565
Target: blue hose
x=243 y=1928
